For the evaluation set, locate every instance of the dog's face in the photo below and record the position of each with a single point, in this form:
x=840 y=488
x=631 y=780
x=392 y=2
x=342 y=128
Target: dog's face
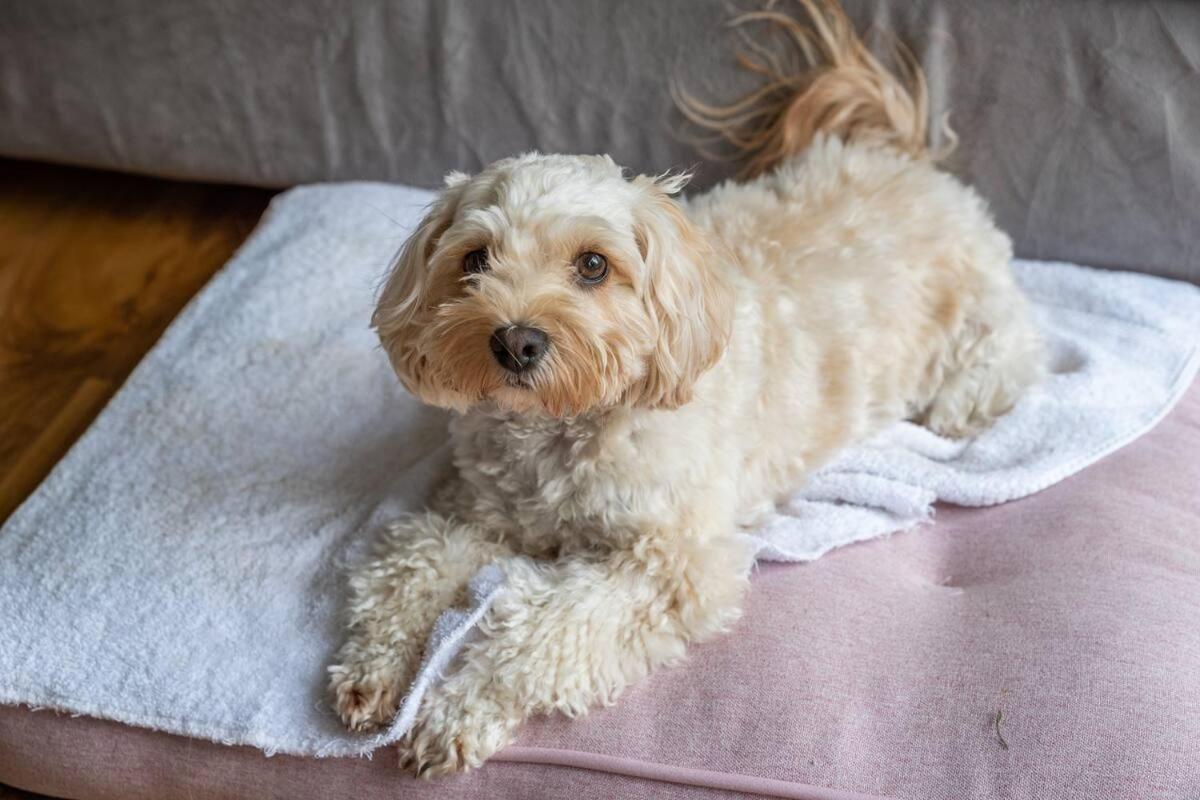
x=553 y=284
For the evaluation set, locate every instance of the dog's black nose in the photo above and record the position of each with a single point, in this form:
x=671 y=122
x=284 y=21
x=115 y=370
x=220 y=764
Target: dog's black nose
x=519 y=348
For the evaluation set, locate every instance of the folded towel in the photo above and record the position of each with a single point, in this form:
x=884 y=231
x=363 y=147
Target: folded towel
x=182 y=568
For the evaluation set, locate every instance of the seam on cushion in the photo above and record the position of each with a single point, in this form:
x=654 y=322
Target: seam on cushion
x=665 y=773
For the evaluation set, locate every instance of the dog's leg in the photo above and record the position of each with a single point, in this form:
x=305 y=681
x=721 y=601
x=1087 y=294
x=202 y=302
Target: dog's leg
x=421 y=567
x=986 y=370
x=572 y=634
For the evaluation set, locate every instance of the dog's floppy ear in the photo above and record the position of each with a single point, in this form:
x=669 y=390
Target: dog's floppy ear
x=687 y=296
x=404 y=301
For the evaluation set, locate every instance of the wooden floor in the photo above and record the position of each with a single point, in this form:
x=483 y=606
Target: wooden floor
x=93 y=266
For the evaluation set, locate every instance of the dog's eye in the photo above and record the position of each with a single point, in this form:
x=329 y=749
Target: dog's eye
x=592 y=268
x=476 y=261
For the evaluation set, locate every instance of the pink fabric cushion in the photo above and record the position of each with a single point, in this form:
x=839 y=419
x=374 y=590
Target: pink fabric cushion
x=878 y=670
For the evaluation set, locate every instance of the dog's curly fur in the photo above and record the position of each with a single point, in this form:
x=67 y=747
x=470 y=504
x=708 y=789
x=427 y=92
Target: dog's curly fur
x=738 y=341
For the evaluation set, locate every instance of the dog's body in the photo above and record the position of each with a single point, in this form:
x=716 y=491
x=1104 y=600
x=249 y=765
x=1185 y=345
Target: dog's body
x=728 y=348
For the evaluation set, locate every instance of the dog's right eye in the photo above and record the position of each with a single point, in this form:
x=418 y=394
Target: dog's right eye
x=476 y=261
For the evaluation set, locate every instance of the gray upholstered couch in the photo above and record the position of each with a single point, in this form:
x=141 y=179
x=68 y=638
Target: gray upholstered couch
x=1080 y=119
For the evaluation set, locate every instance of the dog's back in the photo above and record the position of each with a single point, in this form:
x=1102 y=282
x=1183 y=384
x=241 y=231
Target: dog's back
x=893 y=264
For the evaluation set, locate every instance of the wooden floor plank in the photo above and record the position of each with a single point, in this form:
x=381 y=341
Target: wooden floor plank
x=93 y=266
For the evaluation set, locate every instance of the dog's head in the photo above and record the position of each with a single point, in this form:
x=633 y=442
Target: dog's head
x=553 y=284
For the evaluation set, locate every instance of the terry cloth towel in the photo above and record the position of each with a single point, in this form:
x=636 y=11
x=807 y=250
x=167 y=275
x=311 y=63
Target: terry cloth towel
x=183 y=567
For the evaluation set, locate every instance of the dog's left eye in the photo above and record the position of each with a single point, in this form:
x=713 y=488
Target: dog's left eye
x=476 y=261
x=592 y=268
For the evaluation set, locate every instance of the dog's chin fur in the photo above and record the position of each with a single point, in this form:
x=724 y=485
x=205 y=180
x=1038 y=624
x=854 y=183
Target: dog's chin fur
x=736 y=343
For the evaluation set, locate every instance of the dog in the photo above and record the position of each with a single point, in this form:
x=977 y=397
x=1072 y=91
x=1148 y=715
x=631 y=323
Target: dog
x=636 y=376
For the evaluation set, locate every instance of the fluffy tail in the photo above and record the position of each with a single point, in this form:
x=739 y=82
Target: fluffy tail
x=828 y=83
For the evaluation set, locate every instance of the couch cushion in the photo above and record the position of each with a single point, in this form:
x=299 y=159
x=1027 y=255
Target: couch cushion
x=878 y=670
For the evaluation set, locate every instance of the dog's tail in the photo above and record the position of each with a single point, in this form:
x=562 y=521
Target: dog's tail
x=838 y=89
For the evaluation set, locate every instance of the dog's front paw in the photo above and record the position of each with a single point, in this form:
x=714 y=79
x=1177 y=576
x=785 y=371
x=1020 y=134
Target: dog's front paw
x=454 y=735
x=364 y=698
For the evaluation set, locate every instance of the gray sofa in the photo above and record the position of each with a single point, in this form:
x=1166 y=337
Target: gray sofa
x=1080 y=119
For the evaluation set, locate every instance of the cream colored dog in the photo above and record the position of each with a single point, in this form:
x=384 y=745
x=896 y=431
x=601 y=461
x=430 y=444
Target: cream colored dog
x=635 y=377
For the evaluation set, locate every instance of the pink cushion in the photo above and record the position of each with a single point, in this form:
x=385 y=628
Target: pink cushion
x=877 y=670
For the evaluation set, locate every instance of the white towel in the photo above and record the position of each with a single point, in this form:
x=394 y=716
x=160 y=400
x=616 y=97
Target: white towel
x=182 y=568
